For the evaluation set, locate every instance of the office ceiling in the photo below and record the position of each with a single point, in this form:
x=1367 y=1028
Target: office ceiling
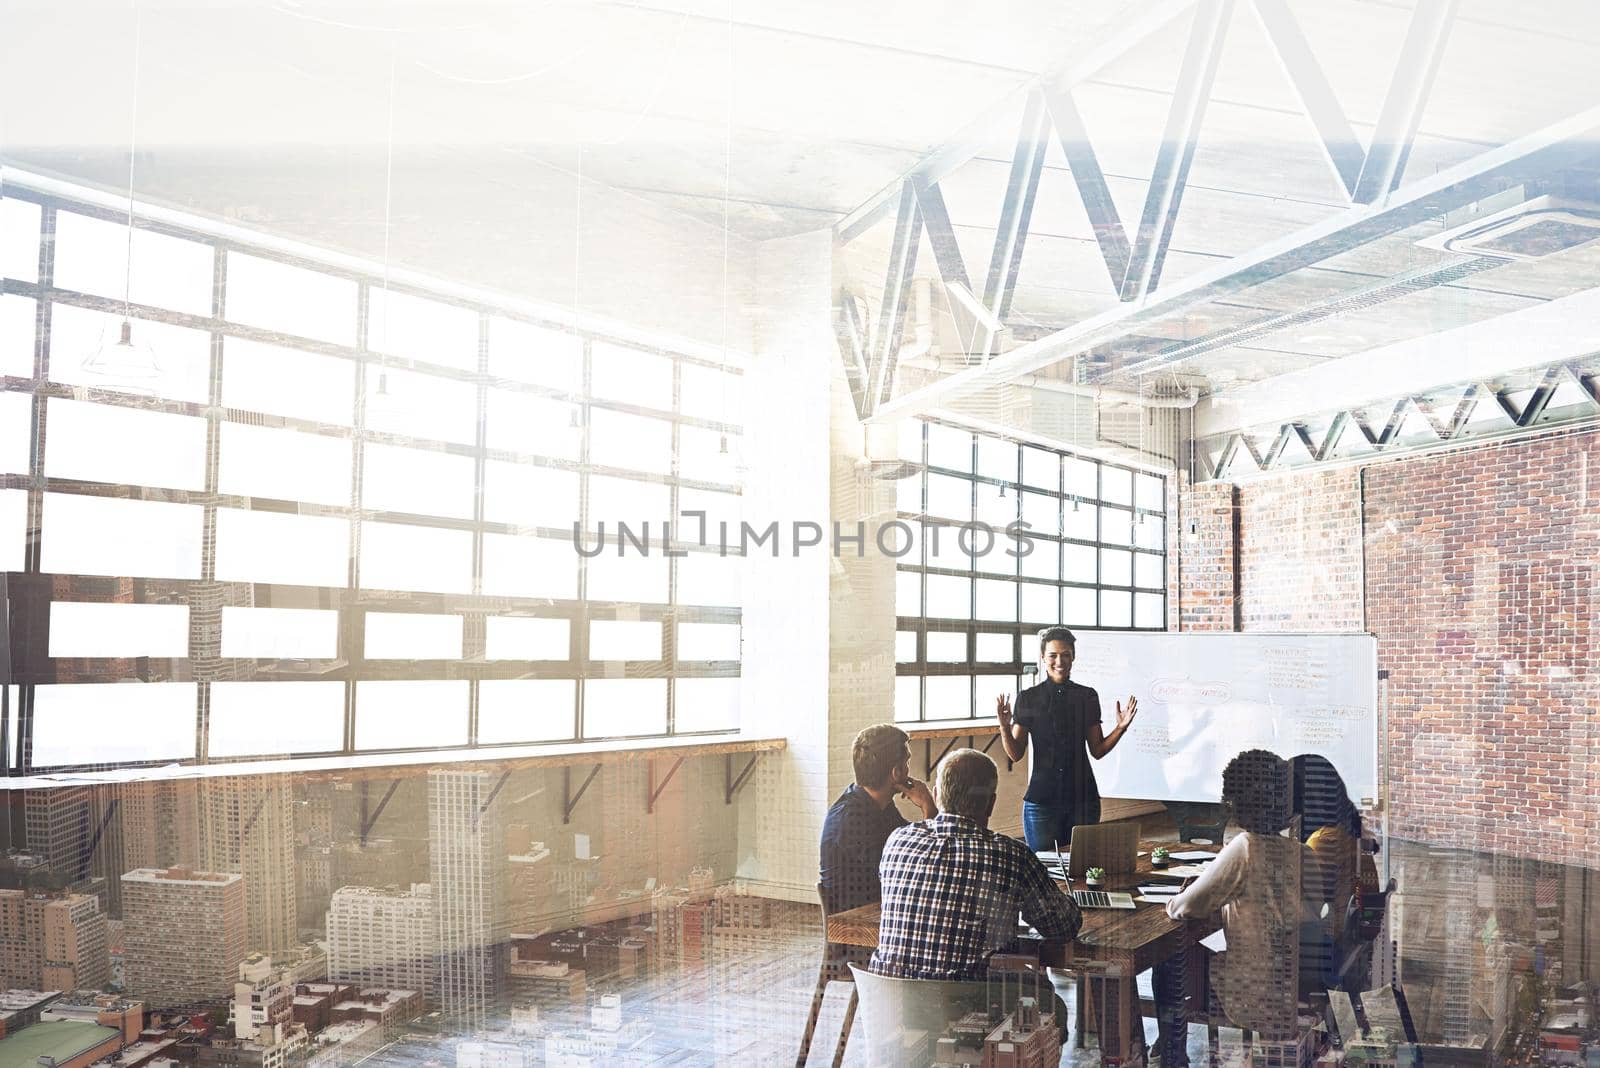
x=782 y=116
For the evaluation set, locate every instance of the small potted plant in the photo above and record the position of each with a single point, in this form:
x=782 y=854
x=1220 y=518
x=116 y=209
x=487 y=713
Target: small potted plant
x=1159 y=857
x=1095 y=877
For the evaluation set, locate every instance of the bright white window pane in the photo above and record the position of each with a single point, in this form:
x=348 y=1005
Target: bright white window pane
x=908 y=494
x=949 y=447
x=1039 y=603
x=624 y=639
x=526 y=710
x=1116 y=526
x=1149 y=610
x=182 y=355
x=153 y=539
x=907 y=698
x=1116 y=608
x=1147 y=571
x=276 y=296
x=949 y=696
x=700 y=455
x=113 y=723
x=398 y=557
x=905 y=647
x=615 y=501
x=278 y=547
x=279 y=633
x=995 y=648
x=419 y=481
x=707 y=393
x=1150 y=532
x=538 y=426
x=1082 y=478
x=614 y=708
x=998 y=511
x=1041 y=468
x=413 y=636
x=946 y=647
x=1080 y=564
x=529 y=353
x=16 y=422
x=79 y=628
x=168 y=272
x=18 y=326
x=908 y=441
x=707 y=579
x=949 y=597
x=19 y=240
x=950 y=497
x=411 y=714
x=907 y=593
x=530 y=567
x=719 y=508
x=422 y=406
x=630 y=376
x=1150 y=492
x=1041 y=513
x=416 y=328
x=1044 y=562
x=529 y=495
x=708 y=641
x=1116 y=567
x=301 y=385
x=997 y=600
x=1079 y=522
x=270 y=718
x=943 y=546
x=281 y=465
x=997 y=459
x=1078 y=606
x=705 y=705
x=13 y=528
x=630 y=442
x=12 y=699
x=523 y=638
x=1116 y=484
x=101 y=443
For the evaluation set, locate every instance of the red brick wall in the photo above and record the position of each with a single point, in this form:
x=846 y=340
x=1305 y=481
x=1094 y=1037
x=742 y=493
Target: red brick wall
x=1478 y=575
x=1300 y=553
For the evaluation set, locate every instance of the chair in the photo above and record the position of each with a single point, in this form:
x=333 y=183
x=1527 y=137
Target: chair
x=835 y=967
x=1200 y=821
x=909 y=1023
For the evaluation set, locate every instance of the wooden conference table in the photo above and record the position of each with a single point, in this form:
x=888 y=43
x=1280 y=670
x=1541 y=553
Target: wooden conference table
x=1112 y=948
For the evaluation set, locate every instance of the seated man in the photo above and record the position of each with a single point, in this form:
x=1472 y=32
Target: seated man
x=861 y=819
x=952 y=888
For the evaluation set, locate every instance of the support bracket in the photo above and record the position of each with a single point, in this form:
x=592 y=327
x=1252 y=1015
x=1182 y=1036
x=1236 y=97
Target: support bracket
x=731 y=783
x=569 y=800
x=654 y=791
x=367 y=822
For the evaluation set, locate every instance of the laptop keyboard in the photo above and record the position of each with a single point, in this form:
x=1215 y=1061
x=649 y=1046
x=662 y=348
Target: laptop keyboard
x=1092 y=899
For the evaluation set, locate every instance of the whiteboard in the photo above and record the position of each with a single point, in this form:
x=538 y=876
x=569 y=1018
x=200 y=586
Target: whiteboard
x=1203 y=698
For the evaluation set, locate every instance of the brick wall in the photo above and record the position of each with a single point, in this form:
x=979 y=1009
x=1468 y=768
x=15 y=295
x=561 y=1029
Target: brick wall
x=1478 y=576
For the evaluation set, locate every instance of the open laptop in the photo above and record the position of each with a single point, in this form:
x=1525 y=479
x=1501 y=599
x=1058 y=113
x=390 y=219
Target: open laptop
x=1112 y=846
x=1093 y=899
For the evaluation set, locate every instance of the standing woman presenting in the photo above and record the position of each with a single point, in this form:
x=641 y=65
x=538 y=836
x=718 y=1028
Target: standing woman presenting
x=1063 y=719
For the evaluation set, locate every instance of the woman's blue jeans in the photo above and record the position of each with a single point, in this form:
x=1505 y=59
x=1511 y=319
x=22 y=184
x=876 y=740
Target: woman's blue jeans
x=1046 y=825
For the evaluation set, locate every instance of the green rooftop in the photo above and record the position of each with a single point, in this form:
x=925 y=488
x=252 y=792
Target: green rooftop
x=61 y=1039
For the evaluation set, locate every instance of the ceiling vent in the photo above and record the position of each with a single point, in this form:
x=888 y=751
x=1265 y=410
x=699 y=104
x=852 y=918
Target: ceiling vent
x=1527 y=231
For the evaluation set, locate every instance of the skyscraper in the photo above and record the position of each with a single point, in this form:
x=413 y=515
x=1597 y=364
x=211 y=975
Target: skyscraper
x=467 y=860
x=52 y=941
x=383 y=938
x=247 y=826
x=184 y=934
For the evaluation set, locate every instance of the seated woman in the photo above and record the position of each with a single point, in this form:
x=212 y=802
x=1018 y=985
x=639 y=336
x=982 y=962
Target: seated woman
x=1330 y=825
x=1258 y=884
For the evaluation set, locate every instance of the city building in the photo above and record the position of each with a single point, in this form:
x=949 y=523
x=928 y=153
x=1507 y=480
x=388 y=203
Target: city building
x=262 y=997
x=59 y=1043
x=185 y=934
x=56 y=941
x=247 y=826
x=106 y=1010
x=19 y=1008
x=383 y=937
x=467 y=866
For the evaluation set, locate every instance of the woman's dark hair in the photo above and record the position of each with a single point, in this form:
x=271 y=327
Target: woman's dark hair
x=1256 y=783
x=1321 y=798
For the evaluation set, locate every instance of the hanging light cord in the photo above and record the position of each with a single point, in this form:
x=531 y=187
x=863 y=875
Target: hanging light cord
x=133 y=149
x=727 y=183
x=388 y=204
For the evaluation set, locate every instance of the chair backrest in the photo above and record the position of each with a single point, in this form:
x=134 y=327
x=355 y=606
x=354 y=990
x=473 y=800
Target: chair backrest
x=902 y=1020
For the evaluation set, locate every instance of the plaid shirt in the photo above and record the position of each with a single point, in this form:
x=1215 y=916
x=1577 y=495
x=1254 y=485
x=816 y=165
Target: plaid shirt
x=951 y=894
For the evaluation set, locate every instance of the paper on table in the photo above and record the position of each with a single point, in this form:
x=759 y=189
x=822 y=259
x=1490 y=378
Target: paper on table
x=1050 y=856
x=1193 y=854
x=1145 y=900
x=1182 y=871
x=1159 y=888
x=1216 y=943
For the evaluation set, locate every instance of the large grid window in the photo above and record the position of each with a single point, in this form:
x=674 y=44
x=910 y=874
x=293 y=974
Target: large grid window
x=333 y=514
x=1075 y=540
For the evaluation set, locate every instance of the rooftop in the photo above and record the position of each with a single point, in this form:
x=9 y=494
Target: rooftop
x=60 y=1039
x=15 y=1000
